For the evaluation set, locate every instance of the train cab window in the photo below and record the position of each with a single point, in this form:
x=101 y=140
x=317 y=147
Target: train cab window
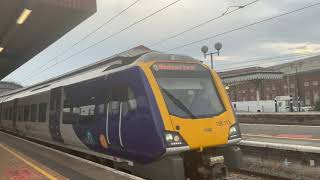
x=33 y=113
x=26 y=112
x=42 y=112
x=188 y=90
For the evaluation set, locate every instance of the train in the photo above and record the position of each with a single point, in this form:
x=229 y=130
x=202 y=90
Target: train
x=156 y=115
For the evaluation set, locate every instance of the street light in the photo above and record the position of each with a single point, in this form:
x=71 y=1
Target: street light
x=205 y=49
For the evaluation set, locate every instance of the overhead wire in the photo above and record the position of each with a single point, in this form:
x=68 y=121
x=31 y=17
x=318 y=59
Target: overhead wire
x=244 y=27
x=112 y=35
x=89 y=34
x=227 y=12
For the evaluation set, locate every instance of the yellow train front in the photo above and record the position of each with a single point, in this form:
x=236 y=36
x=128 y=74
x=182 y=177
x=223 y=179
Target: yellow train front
x=200 y=126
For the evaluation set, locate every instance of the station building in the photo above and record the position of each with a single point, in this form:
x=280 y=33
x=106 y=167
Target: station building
x=300 y=78
x=8 y=86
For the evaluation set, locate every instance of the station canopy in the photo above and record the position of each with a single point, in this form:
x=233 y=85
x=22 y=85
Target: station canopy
x=27 y=27
x=238 y=76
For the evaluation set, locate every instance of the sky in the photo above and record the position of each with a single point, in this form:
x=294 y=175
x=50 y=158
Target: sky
x=286 y=38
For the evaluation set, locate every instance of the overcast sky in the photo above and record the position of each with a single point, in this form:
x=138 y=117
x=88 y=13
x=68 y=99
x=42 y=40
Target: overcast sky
x=295 y=33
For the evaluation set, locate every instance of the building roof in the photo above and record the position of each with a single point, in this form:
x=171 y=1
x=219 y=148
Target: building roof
x=48 y=21
x=301 y=65
x=248 y=74
x=6 y=86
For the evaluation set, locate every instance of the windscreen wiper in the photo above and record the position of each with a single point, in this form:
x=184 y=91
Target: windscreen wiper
x=178 y=103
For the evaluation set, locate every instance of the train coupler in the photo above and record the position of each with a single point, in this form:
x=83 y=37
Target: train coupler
x=213 y=168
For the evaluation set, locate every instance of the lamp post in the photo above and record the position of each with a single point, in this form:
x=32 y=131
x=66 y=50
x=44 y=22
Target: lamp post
x=205 y=49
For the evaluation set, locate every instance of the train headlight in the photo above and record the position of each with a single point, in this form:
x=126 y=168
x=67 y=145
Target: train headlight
x=169 y=137
x=173 y=139
x=234 y=132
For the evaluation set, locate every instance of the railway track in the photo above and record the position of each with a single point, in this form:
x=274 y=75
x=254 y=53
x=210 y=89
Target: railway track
x=238 y=174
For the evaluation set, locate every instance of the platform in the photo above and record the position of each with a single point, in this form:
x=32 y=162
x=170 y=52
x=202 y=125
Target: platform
x=22 y=159
x=295 y=136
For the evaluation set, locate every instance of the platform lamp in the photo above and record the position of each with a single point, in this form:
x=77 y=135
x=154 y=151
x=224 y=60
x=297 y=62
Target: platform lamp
x=205 y=49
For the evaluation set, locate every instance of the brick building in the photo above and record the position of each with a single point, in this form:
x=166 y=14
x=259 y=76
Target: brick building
x=301 y=79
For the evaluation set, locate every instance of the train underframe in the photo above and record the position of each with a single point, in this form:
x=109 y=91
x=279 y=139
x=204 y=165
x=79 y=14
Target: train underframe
x=209 y=164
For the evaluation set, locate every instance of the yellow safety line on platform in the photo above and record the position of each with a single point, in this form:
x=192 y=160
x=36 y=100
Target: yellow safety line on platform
x=43 y=172
x=275 y=137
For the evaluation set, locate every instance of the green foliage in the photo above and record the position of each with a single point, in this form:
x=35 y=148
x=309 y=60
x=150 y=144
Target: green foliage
x=317 y=108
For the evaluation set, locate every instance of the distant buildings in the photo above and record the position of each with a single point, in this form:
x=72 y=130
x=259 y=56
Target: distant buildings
x=8 y=86
x=301 y=79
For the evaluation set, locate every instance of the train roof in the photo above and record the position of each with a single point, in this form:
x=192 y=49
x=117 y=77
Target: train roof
x=105 y=66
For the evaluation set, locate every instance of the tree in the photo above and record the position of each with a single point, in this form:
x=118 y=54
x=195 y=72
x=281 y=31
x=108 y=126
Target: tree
x=317 y=108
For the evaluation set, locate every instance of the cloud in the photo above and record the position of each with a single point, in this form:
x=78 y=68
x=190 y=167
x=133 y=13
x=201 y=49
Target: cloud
x=297 y=48
x=295 y=33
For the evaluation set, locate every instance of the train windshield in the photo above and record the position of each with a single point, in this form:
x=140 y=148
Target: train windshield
x=188 y=90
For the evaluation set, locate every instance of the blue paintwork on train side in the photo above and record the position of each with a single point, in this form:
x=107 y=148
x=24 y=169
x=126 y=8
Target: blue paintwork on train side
x=142 y=128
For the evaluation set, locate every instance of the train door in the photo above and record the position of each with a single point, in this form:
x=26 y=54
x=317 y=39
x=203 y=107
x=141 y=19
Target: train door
x=55 y=114
x=114 y=118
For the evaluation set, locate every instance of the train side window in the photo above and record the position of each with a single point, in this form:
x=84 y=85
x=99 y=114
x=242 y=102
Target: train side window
x=132 y=102
x=26 y=113
x=3 y=113
x=87 y=110
x=76 y=110
x=10 y=114
x=42 y=112
x=33 y=114
x=114 y=106
x=20 y=113
x=100 y=109
x=129 y=103
x=67 y=115
x=117 y=96
x=6 y=114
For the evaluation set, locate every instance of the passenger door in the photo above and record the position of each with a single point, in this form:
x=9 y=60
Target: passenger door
x=114 y=118
x=55 y=113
